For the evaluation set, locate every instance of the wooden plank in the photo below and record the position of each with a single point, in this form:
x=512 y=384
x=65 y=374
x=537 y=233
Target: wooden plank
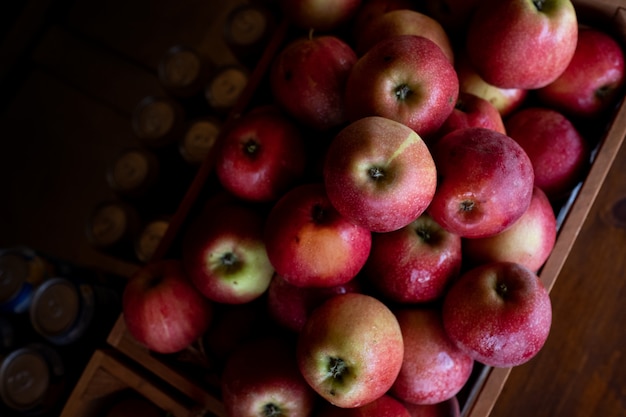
x=580 y=371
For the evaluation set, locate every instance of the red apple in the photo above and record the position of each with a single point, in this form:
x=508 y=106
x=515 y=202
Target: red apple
x=472 y=111
x=434 y=369
x=499 y=313
x=414 y=264
x=485 y=182
x=506 y=100
x=529 y=241
x=308 y=78
x=522 y=43
x=379 y=174
x=321 y=15
x=261 y=378
x=310 y=244
x=162 y=309
x=385 y=406
x=594 y=79
x=224 y=254
x=350 y=350
x=403 y=22
x=290 y=306
x=261 y=156
x=406 y=78
x=448 y=408
x=371 y=9
x=559 y=153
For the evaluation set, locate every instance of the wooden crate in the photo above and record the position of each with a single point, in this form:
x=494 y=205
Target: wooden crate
x=106 y=378
x=479 y=397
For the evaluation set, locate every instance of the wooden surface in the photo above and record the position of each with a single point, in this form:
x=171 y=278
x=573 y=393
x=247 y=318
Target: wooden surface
x=72 y=73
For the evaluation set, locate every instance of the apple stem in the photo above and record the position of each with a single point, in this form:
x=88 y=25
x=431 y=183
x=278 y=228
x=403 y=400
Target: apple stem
x=502 y=289
x=337 y=368
x=318 y=213
x=466 y=205
x=423 y=234
x=311 y=30
x=271 y=410
x=603 y=92
x=376 y=173
x=251 y=147
x=402 y=92
x=229 y=259
x=539 y=4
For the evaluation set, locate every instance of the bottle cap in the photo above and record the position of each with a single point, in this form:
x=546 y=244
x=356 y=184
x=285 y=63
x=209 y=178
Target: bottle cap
x=199 y=139
x=55 y=308
x=24 y=379
x=149 y=239
x=155 y=120
x=225 y=87
x=133 y=172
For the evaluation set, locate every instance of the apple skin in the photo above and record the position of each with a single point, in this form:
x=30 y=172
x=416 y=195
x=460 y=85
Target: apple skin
x=261 y=377
x=385 y=406
x=406 y=78
x=499 y=313
x=593 y=80
x=514 y=44
x=559 y=153
x=350 y=350
x=261 y=156
x=529 y=241
x=433 y=369
x=321 y=15
x=308 y=78
x=379 y=174
x=506 y=100
x=414 y=264
x=404 y=22
x=290 y=306
x=485 y=182
x=448 y=408
x=162 y=309
x=224 y=254
x=310 y=244
x=372 y=9
x=472 y=111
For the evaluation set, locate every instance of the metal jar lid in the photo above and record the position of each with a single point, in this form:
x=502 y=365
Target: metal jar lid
x=14 y=270
x=133 y=172
x=226 y=86
x=55 y=309
x=20 y=271
x=156 y=120
x=110 y=224
x=246 y=25
x=24 y=379
x=200 y=139
x=150 y=238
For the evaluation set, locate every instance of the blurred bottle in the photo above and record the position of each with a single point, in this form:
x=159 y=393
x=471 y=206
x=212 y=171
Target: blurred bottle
x=67 y=310
x=200 y=139
x=225 y=87
x=150 y=237
x=247 y=30
x=33 y=380
x=112 y=228
x=158 y=121
x=22 y=270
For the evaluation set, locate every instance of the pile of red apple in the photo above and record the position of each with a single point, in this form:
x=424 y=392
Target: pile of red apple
x=388 y=208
